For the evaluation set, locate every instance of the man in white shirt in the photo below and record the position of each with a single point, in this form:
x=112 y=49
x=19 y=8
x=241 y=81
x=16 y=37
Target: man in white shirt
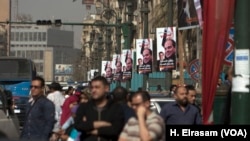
x=57 y=97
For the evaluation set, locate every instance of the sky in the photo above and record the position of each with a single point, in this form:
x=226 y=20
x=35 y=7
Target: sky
x=66 y=10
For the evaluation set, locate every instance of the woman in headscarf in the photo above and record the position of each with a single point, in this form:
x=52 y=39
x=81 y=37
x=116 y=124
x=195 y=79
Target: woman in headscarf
x=69 y=103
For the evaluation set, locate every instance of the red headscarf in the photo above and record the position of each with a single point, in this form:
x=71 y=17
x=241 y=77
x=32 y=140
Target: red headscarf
x=66 y=111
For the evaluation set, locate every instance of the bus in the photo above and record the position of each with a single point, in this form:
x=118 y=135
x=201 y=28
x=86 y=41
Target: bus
x=16 y=75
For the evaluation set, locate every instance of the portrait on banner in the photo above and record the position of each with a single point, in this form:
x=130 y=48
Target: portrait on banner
x=144 y=55
x=127 y=61
x=166 y=48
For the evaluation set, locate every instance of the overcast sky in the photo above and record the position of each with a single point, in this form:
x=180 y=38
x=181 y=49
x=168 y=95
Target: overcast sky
x=66 y=10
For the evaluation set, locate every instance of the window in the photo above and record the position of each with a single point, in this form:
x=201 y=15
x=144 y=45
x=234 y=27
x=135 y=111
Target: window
x=39 y=67
x=39 y=36
x=41 y=55
x=12 y=53
x=21 y=36
x=30 y=36
x=43 y=36
x=17 y=36
x=26 y=36
x=12 y=37
x=32 y=55
x=28 y=54
x=23 y=54
x=18 y=53
x=35 y=36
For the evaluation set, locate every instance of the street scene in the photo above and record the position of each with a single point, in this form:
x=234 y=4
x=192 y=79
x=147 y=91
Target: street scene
x=122 y=70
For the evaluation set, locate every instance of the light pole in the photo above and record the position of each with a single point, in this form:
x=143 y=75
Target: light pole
x=118 y=35
x=99 y=53
x=91 y=41
x=107 y=14
x=145 y=10
x=108 y=43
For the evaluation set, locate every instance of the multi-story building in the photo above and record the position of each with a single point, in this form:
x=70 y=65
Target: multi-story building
x=4 y=28
x=49 y=47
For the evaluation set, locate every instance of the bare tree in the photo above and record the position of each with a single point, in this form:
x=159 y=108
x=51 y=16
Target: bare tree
x=160 y=16
x=24 y=18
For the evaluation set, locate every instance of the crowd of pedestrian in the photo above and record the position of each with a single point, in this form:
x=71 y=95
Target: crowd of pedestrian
x=98 y=114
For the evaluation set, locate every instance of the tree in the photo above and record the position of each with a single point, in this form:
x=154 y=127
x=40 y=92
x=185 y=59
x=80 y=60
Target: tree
x=24 y=18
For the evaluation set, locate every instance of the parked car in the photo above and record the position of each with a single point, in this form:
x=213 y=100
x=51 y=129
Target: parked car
x=158 y=101
x=20 y=104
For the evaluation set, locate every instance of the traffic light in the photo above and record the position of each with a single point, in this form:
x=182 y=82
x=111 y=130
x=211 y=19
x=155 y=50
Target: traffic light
x=57 y=22
x=43 y=22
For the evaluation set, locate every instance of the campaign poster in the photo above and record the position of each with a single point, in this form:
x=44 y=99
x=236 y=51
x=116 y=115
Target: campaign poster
x=107 y=70
x=187 y=14
x=144 y=55
x=127 y=64
x=62 y=69
x=117 y=67
x=166 y=48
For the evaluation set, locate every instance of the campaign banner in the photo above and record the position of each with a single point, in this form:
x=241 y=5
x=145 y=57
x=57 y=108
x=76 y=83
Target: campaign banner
x=117 y=67
x=166 y=48
x=198 y=7
x=63 y=69
x=127 y=64
x=144 y=55
x=187 y=14
x=107 y=70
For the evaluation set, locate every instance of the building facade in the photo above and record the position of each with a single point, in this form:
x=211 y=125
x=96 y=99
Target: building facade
x=4 y=28
x=49 y=47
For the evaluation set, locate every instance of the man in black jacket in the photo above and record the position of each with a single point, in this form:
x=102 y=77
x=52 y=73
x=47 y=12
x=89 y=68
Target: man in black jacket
x=100 y=119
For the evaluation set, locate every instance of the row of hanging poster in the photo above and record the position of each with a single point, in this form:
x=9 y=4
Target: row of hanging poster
x=120 y=68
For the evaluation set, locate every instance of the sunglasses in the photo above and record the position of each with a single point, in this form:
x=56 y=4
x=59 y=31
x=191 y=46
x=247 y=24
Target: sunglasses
x=36 y=87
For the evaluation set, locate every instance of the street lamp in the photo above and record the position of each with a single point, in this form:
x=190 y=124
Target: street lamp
x=118 y=35
x=107 y=14
x=121 y=5
x=91 y=41
x=145 y=10
x=92 y=37
x=99 y=52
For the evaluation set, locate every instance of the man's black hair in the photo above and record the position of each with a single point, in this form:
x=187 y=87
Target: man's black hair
x=120 y=94
x=102 y=79
x=172 y=86
x=190 y=87
x=144 y=94
x=39 y=78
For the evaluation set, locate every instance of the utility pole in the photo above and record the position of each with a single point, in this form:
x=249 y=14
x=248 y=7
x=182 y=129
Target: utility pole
x=129 y=37
x=145 y=10
x=118 y=35
x=169 y=24
x=99 y=53
x=240 y=86
x=108 y=43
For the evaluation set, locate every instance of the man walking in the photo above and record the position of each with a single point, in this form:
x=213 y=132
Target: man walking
x=40 y=114
x=100 y=119
x=58 y=99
